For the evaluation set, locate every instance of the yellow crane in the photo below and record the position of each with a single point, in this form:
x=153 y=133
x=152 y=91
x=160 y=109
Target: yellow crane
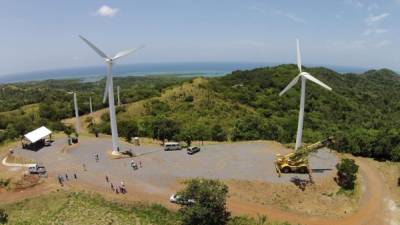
x=297 y=162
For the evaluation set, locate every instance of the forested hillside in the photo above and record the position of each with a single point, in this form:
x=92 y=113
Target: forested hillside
x=362 y=111
x=25 y=106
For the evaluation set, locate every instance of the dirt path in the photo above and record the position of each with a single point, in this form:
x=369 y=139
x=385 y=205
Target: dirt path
x=371 y=211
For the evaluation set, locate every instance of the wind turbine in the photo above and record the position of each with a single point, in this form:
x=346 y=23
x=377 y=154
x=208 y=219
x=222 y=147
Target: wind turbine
x=77 y=122
x=109 y=90
x=119 y=100
x=90 y=106
x=304 y=76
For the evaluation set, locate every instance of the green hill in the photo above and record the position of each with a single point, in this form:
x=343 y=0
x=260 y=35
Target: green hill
x=362 y=111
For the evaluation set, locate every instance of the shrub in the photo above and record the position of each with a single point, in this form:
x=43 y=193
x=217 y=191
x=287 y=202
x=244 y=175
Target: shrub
x=209 y=207
x=3 y=216
x=347 y=173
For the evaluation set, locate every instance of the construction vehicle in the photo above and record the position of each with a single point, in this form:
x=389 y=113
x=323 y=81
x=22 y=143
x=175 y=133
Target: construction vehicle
x=297 y=162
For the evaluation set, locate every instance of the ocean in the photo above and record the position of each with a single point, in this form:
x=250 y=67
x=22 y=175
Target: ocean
x=207 y=69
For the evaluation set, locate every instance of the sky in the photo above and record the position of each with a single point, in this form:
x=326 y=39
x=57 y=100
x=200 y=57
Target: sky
x=43 y=34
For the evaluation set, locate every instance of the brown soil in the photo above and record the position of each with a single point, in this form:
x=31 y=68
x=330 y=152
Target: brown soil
x=320 y=199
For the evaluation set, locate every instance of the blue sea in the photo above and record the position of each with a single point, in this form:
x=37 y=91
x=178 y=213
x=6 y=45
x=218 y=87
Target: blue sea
x=207 y=69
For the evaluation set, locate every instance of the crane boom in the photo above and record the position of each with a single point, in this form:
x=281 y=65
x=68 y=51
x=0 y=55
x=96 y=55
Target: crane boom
x=297 y=162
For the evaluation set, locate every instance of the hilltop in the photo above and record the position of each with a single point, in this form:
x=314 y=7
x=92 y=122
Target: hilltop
x=362 y=111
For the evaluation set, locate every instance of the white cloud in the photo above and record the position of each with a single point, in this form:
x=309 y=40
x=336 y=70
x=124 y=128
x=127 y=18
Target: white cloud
x=359 y=44
x=373 y=6
x=382 y=43
x=291 y=16
x=250 y=43
x=370 y=31
x=257 y=9
x=288 y=15
x=371 y=19
x=355 y=3
x=107 y=11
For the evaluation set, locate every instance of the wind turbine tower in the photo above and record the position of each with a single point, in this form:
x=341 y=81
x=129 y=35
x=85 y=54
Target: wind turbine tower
x=90 y=106
x=119 y=100
x=77 y=123
x=109 y=90
x=304 y=76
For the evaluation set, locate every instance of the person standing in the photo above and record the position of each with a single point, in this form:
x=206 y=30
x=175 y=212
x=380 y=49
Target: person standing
x=66 y=177
x=107 y=179
x=75 y=176
x=60 y=180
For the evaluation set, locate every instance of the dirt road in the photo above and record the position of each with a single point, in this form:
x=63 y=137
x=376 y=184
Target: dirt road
x=371 y=211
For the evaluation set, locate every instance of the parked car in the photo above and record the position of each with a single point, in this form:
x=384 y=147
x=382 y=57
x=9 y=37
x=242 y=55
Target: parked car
x=192 y=150
x=172 y=146
x=178 y=200
x=37 y=169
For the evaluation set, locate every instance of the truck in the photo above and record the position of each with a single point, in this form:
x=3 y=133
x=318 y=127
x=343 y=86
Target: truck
x=297 y=161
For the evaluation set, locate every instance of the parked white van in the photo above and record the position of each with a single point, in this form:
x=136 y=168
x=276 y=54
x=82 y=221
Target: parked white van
x=172 y=146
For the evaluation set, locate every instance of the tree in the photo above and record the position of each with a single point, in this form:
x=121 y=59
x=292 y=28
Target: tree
x=209 y=202
x=128 y=129
x=164 y=128
x=395 y=154
x=68 y=130
x=218 y=133
x=94 y=128
x=347 y=173
x=185 y=135
x=3 y=216
x=201 y=132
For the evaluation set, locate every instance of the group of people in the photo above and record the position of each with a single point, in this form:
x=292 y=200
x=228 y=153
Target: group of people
x=117 y=188
x=61 y=179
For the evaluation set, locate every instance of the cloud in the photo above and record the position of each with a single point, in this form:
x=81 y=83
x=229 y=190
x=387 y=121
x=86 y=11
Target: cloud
x=288 y=15
x=258 y=9
x=371 y=19
x=382 y=43
x=373 y=6
x=107 y=11
x=249 y=43
x=370 y=31
x=355 y=3
x=359 y=44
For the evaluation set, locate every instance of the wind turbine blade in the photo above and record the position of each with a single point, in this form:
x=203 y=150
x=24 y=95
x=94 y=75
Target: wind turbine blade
x=98 y=51
x=315 y=80
x=298 y=55
x=290 y=85
x=106 y=90
x=126 y=52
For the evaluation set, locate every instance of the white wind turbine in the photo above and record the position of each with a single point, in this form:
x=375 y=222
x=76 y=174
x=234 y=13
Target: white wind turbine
x=304 y=76
x=109 y=90
x=77 y=122
x=119 y=100
x=90 y=106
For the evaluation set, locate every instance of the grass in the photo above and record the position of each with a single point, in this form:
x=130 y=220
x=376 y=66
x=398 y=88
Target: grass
x=65 y=207
x=83 y=208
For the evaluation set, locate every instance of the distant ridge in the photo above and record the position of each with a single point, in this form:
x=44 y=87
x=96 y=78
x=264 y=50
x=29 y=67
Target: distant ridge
x=210 y=69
